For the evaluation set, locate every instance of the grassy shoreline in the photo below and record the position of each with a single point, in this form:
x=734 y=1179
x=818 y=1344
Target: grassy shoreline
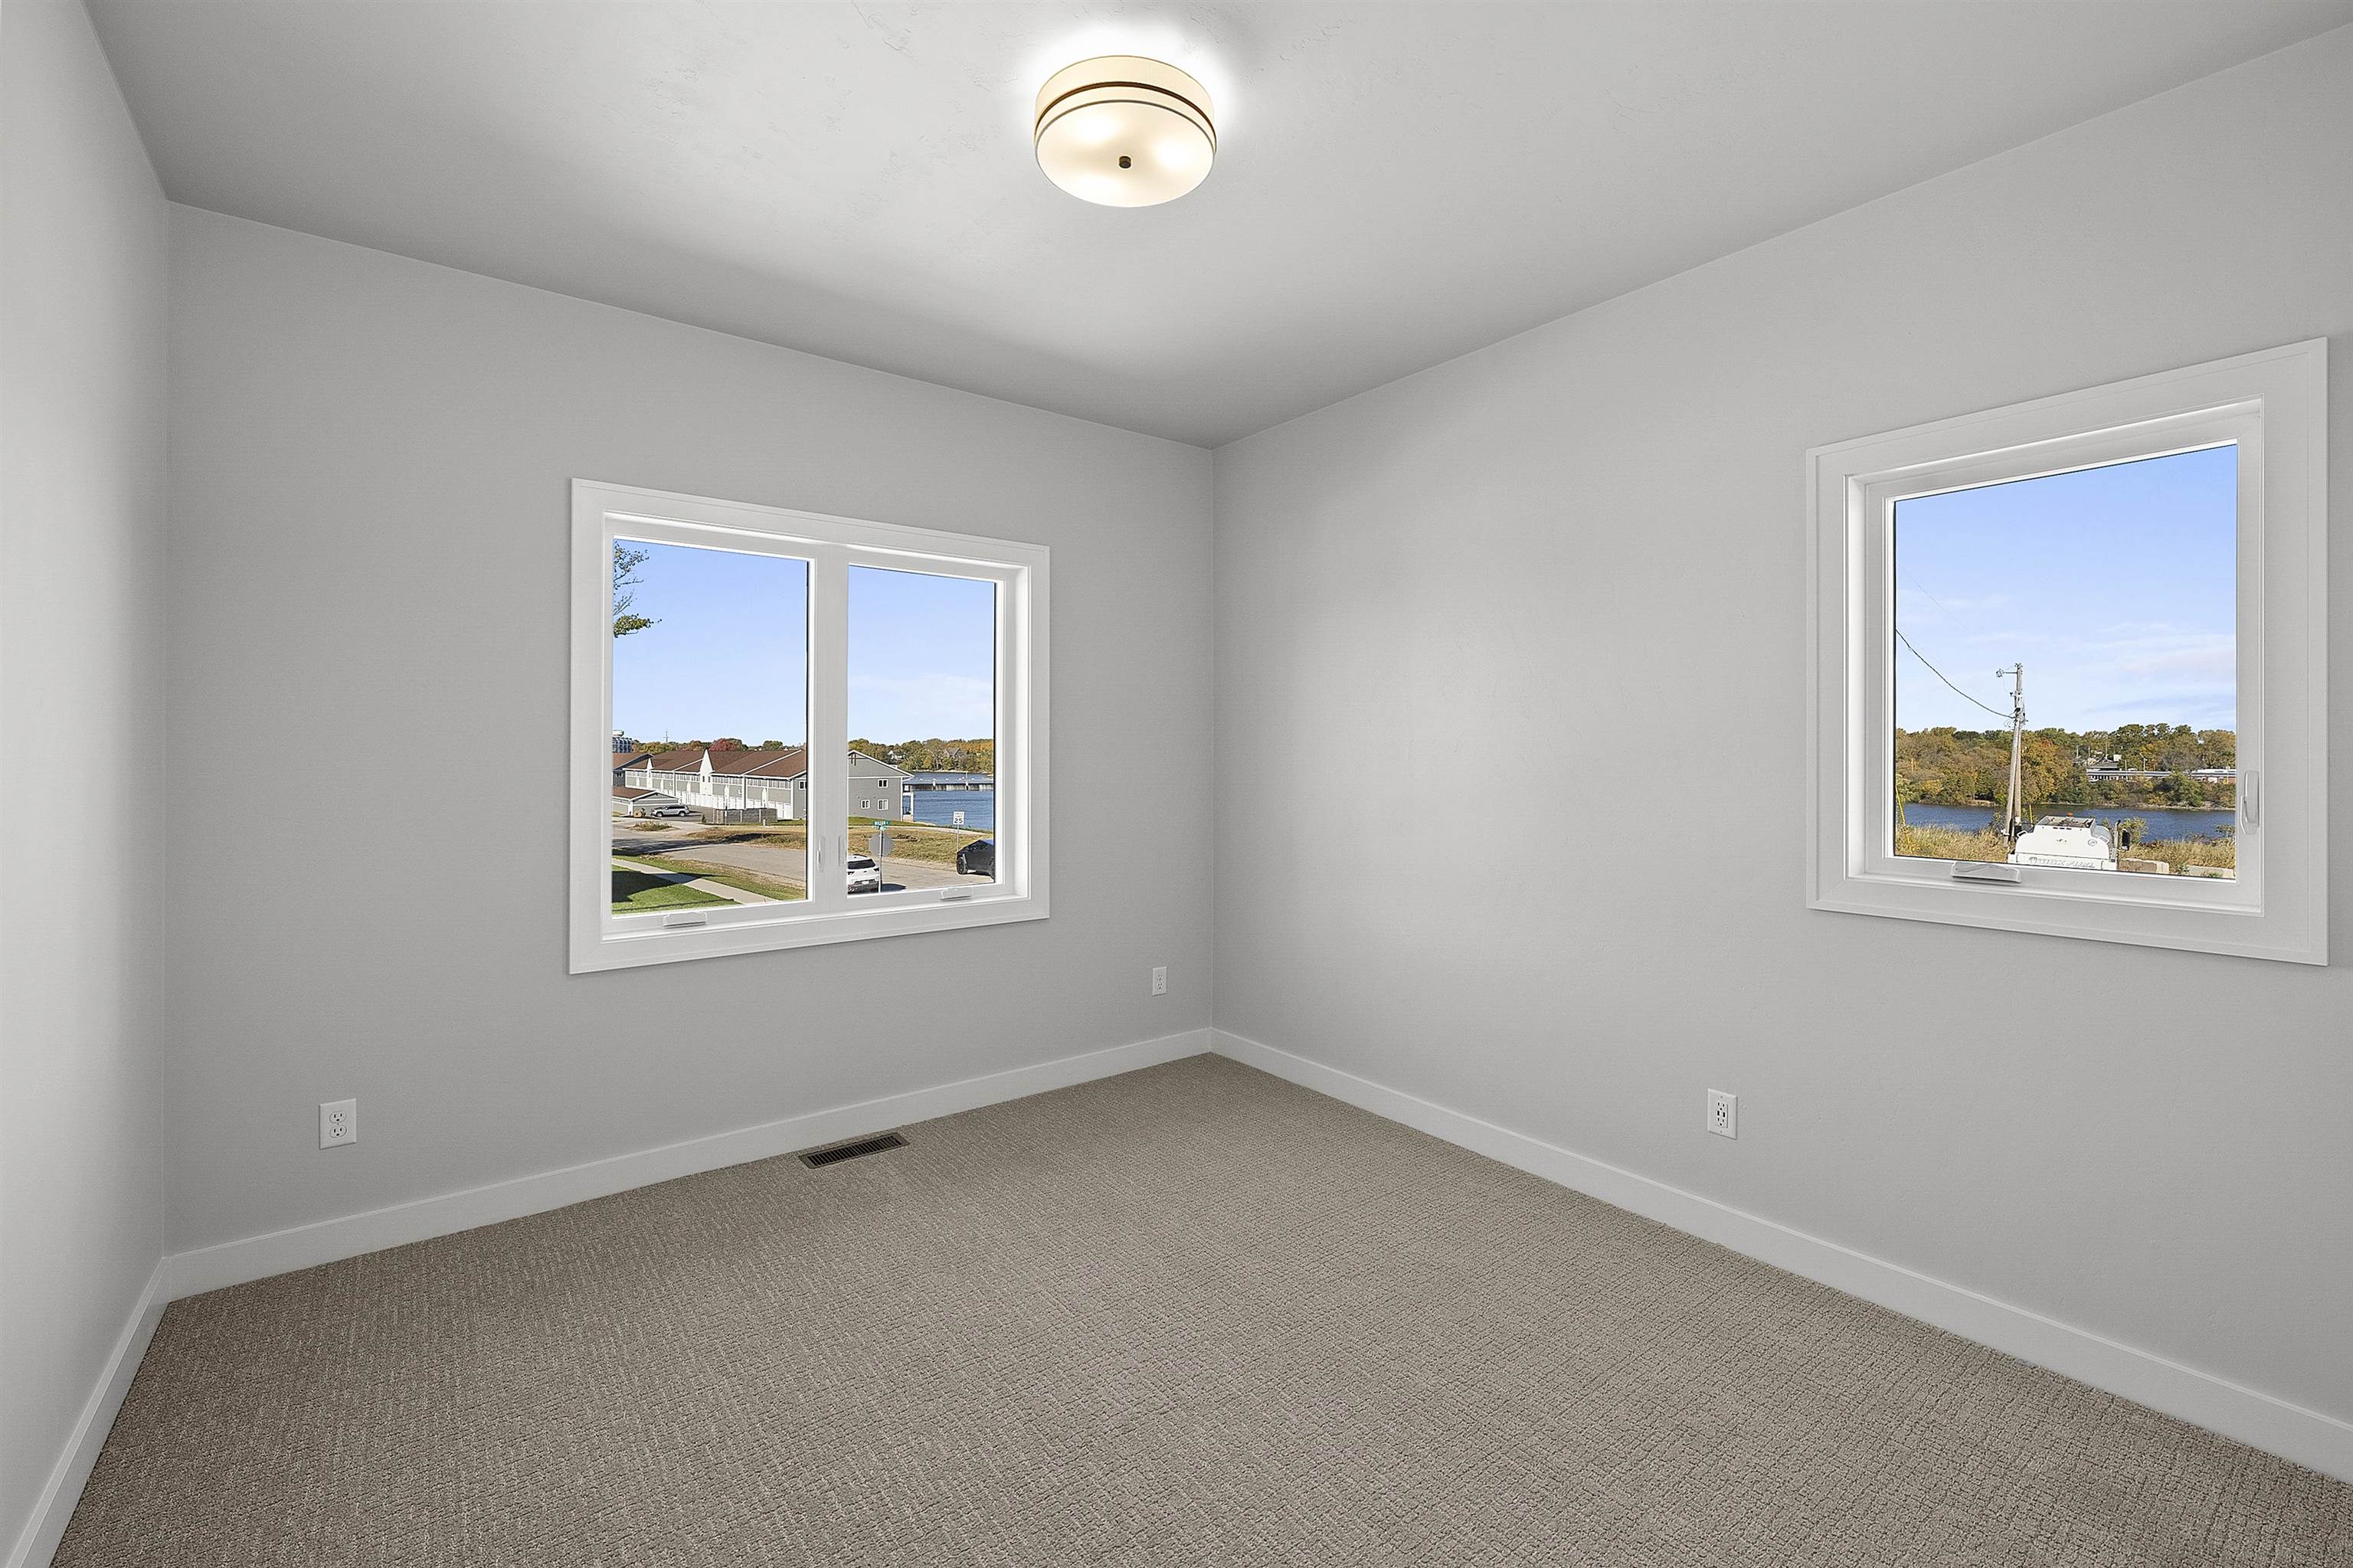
x=2078 y=808
x=1987 y=843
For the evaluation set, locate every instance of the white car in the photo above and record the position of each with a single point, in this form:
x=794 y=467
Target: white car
x=865 y=876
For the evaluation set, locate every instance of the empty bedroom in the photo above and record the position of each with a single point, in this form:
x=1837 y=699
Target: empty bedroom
x=1456 y=783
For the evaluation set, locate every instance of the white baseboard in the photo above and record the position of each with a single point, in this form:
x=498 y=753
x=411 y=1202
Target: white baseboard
x=305 y=1246
x=2307 y=1436
x=37 y=1542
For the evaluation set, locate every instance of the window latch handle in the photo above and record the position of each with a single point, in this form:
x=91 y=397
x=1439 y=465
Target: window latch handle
x=2251 y=799
x=1984 y=871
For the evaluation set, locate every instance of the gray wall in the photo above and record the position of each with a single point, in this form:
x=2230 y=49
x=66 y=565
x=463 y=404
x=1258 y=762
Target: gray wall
x=81 y=665
x=370 y=527
x=1584 y=548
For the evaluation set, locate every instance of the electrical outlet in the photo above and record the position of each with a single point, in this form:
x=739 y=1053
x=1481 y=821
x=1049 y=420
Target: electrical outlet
x=339 y=1122
x=1723 y=1114
x=1160 y=981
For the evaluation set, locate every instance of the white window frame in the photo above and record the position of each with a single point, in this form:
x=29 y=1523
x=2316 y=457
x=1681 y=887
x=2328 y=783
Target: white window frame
x=2274 y=405
x=831 y=546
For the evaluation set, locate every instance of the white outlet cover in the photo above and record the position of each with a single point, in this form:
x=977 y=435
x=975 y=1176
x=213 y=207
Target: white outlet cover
x=339 y=1123
x=1723 y=1114
x=1160 y=981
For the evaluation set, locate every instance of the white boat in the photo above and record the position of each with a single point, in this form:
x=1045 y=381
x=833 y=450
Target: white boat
x=2082 y=842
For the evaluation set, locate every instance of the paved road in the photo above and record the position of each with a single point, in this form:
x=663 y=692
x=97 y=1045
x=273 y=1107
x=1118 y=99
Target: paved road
x=787 y=865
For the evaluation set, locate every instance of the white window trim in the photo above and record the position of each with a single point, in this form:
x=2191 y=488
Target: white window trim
x=602 y=940
x=2274 y=404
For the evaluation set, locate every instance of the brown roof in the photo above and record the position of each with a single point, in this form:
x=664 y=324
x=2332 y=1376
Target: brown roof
x=623 y=792
x=630 y=758
x=785 y=764
x=789 y=763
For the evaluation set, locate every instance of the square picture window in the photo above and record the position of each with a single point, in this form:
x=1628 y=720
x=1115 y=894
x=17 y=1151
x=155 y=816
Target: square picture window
x=2067 y=670
x=2070 y=664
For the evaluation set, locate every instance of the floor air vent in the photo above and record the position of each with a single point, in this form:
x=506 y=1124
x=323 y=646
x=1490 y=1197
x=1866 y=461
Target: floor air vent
x=817 y=1157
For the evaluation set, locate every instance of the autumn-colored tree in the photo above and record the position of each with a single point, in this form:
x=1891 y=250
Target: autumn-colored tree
x=1971 y=768
x=933 y=756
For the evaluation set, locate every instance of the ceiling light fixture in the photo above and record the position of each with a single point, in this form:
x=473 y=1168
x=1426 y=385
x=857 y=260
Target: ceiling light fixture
x=1124 y=131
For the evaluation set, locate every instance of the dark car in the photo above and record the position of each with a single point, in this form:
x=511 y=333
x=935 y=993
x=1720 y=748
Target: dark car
x=977 y=858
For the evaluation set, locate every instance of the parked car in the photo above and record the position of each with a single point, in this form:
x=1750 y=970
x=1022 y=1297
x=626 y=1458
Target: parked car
x=977 y=858
x=669 y=811
x=865 y=876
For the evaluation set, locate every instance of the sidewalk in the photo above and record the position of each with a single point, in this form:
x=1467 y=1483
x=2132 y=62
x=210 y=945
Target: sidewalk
x=700 y=884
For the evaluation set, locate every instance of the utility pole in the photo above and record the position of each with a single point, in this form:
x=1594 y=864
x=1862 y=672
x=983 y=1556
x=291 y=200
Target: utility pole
x=2011 y=817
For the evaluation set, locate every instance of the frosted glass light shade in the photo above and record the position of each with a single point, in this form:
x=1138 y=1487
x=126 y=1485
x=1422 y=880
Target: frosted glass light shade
x=1124 y=131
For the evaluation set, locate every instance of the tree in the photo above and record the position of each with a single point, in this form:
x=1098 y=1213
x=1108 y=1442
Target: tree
x=2052 y=773
x=1971 y=768
x=1907 y=793
x=626 y=583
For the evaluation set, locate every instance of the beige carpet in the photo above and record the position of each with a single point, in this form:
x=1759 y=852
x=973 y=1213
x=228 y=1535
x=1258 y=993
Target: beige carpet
x=1190 y=1316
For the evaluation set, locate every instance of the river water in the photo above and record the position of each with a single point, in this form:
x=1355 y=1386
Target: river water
x=2164 y=822
x=939 y=808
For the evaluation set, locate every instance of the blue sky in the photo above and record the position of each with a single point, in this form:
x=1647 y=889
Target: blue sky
x=2116 y=586
x=728 y=652
x=923 y=656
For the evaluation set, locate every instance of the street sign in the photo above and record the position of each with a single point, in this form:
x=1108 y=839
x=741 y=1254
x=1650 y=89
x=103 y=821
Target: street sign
x=879 y=844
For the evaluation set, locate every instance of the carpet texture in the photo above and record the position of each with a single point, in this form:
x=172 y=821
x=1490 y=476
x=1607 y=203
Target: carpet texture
x=1190 y=1316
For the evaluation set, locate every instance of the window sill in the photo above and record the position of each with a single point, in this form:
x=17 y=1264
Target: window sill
x=656 y=944
x=2197 y=918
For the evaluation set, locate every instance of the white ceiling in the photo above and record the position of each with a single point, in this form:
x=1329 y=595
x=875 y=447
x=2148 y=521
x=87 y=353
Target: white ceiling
x=1397 y=183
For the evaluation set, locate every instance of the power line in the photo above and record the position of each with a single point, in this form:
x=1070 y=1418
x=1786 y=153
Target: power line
x=1946 y=679
x=1939 y=603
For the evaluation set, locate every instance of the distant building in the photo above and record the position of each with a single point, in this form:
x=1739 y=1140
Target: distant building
x=629 y=802
x=716 y=778
x=2095 y=771
x=877 y=789
x=623 y=743
x=945 y=781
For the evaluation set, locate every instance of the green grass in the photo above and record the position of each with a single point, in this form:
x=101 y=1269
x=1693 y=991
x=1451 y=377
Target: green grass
x=1951 y=844
x=791 y=835
x=636 y=892
x=726 y=877
x=909 y=840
